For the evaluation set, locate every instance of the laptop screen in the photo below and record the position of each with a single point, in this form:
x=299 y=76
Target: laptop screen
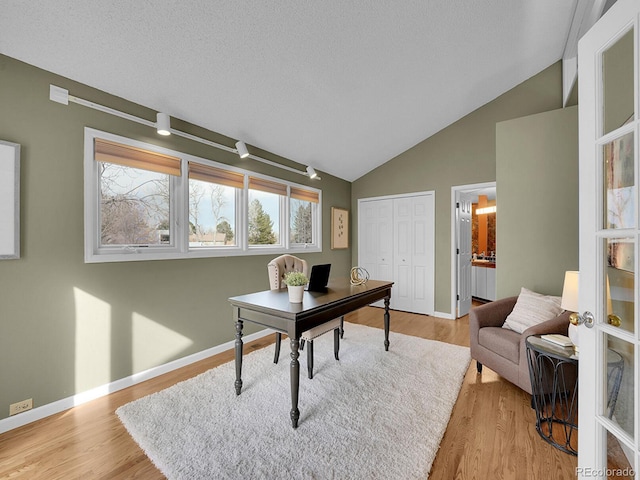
x=319 y=278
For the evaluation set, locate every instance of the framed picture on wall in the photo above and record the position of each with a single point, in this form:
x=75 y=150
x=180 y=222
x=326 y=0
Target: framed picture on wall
x=339 y=228
x=9 y=200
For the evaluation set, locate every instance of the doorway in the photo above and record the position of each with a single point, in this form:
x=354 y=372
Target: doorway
x=471 y=238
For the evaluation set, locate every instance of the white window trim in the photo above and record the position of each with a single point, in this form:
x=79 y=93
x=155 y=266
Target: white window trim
x=180 y=213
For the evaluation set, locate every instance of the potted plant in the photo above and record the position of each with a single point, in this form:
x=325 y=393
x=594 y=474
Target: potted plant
x=295 y=282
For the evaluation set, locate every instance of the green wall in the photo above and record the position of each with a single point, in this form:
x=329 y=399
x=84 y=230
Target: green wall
x=461 y=154
x=67 y=326
x=537 y=190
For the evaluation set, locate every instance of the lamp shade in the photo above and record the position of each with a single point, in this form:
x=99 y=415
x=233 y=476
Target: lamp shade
x=570 y=291
x=163 y=124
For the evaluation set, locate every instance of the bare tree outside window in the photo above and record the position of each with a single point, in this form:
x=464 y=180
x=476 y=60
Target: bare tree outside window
x=134 y=206
x=212 y=214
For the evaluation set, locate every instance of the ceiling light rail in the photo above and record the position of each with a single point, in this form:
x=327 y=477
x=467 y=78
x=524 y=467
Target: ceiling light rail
x=163 y=126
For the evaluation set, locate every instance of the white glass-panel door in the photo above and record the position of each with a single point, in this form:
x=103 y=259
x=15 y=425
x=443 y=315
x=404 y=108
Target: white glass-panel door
x=609 y=239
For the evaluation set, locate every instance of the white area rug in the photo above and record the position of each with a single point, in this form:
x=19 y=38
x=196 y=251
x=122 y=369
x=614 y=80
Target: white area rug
x=372 y=415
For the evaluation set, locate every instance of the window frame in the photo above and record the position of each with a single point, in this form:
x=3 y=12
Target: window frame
x=179 y=212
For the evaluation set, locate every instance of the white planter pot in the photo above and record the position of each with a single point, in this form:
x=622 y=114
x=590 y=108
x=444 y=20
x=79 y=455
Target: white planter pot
x=295 y=293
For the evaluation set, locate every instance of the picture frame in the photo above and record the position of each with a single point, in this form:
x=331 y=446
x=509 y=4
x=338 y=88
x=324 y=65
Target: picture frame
x=9 y=200
x=339 y=228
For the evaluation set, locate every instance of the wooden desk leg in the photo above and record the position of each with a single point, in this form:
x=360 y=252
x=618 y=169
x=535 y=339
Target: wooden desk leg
x=295 y=381
x=386 y=323
x=238 y=382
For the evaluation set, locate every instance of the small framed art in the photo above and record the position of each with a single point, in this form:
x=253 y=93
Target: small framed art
x=339 y=228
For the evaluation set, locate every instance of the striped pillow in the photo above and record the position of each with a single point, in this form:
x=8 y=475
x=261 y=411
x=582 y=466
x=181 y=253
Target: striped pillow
x=532 y=308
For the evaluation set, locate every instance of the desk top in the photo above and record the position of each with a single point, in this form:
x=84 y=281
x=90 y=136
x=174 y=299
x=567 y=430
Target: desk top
x=338 y=291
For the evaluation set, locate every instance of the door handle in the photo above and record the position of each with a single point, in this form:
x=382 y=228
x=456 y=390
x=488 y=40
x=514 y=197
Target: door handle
x=614 y=320
x=586 y=318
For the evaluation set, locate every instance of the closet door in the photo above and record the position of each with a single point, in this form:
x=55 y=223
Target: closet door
x=396 y=243
x=413 y=254
x=376 y=238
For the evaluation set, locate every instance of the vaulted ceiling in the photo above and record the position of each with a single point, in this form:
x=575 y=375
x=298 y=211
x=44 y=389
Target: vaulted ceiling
x=343 y=86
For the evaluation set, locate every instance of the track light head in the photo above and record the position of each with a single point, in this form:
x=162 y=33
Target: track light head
x=242 y=149
x=311 y=172
x=163 y=124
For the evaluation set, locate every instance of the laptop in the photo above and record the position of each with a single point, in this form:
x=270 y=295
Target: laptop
x=319 y=278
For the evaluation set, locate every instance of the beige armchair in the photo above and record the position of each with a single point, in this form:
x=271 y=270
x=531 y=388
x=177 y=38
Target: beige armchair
x=277 y=269
x=501 y=349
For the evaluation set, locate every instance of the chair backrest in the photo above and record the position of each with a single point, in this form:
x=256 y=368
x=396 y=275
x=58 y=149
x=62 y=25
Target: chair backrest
x=284 y=264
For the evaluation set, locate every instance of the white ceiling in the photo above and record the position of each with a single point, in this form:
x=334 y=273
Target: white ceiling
x=343 y=86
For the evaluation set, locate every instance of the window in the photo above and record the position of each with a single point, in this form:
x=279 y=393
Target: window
x=266 y=201
x=303 y=205
x=135 y=195
x=144 y=202
x=213 y=195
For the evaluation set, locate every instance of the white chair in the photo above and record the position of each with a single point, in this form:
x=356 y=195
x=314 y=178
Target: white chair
x=277 y=269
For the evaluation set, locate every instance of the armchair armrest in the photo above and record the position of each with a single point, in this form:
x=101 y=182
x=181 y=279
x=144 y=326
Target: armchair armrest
x=560 y=325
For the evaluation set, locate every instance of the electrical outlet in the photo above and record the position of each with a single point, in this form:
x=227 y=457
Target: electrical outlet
x=20 y=407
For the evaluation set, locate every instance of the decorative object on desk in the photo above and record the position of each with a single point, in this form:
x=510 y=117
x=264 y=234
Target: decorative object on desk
x=359 y=276
x=295 y=282
x=569 y=303
x=200 y=429
x=339 y=228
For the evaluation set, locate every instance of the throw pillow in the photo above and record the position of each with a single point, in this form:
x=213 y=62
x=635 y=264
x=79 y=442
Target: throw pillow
x=532 y=308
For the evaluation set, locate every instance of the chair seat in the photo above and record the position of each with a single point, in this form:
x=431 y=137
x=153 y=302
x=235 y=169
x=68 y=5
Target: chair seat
x=502 y=341
x=315 y=332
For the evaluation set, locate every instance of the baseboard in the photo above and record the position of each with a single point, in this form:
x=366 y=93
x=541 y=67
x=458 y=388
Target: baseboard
x=66 y=403
x=447 y=316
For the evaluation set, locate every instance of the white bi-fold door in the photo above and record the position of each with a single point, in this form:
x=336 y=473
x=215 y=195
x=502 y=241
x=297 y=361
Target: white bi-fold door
x=396 y=242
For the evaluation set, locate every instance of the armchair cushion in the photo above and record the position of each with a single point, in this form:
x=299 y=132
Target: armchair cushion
x=532 y=308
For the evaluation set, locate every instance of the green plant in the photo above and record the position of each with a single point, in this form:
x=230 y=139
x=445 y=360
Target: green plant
x=295 y=279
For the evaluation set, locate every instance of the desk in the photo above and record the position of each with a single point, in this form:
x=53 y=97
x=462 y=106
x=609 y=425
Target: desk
x=272 y=309
x=554 y=383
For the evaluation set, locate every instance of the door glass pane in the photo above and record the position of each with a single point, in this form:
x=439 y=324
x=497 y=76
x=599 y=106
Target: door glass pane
x=619 y=385
x=619 y=187
x=620 y=283
x=619 y=459
x=617 y=79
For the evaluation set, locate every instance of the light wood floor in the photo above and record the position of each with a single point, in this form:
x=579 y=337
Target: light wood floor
x=491 y=433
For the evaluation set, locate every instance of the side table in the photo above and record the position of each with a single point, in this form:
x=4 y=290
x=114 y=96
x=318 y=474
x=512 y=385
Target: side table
x=554 y=382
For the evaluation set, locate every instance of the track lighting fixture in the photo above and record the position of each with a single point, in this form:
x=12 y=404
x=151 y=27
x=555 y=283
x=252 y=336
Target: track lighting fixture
x=242 y=149
x=163 y=127
x=163 y=124
x=311 y=172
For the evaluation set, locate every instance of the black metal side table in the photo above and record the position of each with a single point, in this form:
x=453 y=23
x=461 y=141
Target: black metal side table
x=554 y=382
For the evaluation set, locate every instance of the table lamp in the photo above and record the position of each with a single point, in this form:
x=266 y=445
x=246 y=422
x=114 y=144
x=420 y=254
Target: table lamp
x=570 y=303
